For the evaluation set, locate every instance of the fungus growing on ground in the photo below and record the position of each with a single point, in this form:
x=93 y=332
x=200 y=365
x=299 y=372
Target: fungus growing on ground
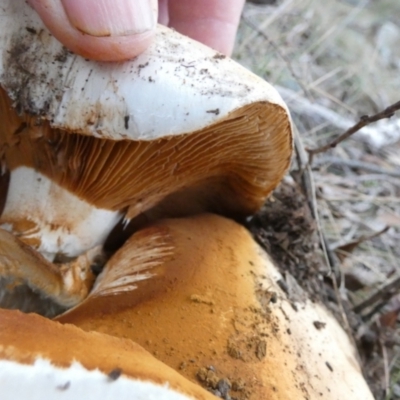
x=85 y=145
x=88 y=148
x=203 y=297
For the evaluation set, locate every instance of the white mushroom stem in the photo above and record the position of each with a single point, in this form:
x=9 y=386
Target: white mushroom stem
x=52 y=219
x=199 y=292
x=41 y=359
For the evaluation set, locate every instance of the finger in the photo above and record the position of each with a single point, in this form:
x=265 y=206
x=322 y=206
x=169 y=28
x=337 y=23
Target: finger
x=107 y=30
x=163 y=18
x=212 y=22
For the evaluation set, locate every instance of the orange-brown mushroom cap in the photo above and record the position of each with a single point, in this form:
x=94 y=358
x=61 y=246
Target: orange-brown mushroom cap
x=204 y=298
x=40 y=358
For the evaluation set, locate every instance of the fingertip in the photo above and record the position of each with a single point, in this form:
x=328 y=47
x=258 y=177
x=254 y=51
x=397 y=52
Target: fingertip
x=92 y=31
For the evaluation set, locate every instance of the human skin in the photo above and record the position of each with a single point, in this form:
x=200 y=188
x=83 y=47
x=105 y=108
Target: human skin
x=115 y=30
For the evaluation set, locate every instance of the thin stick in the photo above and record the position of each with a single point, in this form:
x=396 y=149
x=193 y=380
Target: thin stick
x=385 y=359
x=360 y=165
x=369 y=301
x=305 y=174
x=364 y=121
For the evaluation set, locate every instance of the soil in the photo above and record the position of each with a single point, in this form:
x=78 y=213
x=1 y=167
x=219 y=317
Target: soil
x=222 y=387
x=285 y=228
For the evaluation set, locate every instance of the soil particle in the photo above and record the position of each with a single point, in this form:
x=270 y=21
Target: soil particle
x=329 y=366
x=248 y=348
x=114 y=374
x=182 y=366
x=222 y=387
x=64 y=387
x=62 y=56
x=234 y=350
x=208 y=377
x=196 y=298
x=319 y=325
x=126 y=121
x=219 y=56
x=261 y=349
x=283 y=285
x=31 y=30
x=238 y=385
x=266 y=297
x=216 y=111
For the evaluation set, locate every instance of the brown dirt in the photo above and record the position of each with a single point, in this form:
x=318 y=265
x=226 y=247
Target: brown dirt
x=222 y=387
x=286 y=229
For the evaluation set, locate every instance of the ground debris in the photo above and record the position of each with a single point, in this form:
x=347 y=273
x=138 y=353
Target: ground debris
x=288 y=232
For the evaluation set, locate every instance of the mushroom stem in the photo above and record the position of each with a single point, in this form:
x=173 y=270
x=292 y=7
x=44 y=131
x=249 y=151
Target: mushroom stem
x=66 y=284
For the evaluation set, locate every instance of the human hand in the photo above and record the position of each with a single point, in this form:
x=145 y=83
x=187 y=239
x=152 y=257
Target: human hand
x=114 y=30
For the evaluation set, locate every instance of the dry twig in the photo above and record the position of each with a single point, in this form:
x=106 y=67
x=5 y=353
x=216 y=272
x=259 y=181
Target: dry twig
x=386 y=370
x=378 y=294
x=364 y=121
x=356 y=164
x=344 y=249
x=305 y=179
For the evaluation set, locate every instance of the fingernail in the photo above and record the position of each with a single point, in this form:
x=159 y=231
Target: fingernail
x=112 y=17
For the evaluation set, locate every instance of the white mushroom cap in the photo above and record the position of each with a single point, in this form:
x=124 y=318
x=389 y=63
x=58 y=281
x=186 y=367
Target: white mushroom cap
x=177 y=86
x=41 y=359
x=199 y=292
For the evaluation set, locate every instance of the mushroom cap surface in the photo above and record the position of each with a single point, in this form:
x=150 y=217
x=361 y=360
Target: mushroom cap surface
x=176 y=86
x=41 y=359
x=204 y=298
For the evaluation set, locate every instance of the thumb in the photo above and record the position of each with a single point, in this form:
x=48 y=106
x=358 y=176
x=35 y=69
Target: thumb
x=106 y=30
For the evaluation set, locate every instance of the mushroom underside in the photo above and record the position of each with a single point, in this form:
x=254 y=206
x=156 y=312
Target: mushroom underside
x=244 y=157
x=67 y=195
x=88 y=147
